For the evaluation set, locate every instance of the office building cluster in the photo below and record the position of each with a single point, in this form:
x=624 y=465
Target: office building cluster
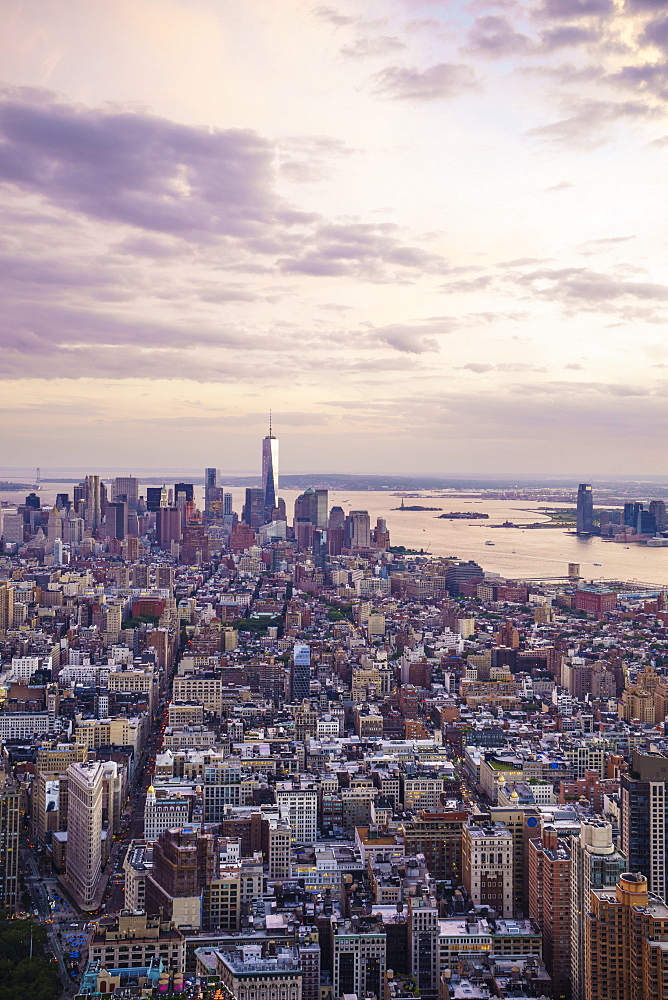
x=277 y=761
x=635 y=522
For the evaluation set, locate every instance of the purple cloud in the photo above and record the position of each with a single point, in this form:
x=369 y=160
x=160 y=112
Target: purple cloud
x=368 y=46
x=656 y=33
x=576 y=8
x=407 y=341
x=589 y=120
x=566 y=36
x=405 y=83
x=494 y=35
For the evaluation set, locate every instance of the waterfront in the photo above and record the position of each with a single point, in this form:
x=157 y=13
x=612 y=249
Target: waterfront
x=517 y=552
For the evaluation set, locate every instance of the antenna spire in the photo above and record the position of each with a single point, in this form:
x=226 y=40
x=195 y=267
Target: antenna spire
x=270 y=434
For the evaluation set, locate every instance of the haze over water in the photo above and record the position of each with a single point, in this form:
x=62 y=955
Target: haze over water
x=516 y=553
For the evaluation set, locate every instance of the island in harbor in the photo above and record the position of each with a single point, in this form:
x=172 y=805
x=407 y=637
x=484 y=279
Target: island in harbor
x=463 y=515
x=415 y=507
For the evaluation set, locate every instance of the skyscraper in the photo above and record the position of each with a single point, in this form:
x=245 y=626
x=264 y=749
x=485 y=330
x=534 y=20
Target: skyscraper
x=184 y=489
x=10 y=816
x=270 y=471
x=585 y=510
x=550 y=904
x=126 y=488
x=644 y=818
x=95 y=501
x=595 y=864
x=116 y=519
x=626 y=942
x=254 y=510
x=301 y=671
x=212 y=492
x=358 y=524
x=156 y=497
x=84 y=828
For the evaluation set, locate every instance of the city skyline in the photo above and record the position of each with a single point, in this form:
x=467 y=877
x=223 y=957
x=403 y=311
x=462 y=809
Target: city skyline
x=430 y=236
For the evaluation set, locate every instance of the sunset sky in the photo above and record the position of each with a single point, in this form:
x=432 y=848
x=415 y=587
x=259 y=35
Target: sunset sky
x=432 y=237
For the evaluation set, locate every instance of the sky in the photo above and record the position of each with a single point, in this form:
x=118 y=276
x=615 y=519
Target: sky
x=431 y=237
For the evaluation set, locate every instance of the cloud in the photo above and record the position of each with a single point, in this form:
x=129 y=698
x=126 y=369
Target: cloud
x=182 y=188
x=366 y=249
x=590 y=121
x=566 y=36
x=656 y=33
x=587 y=288
x=415 y=339
x=333 y=16
x=576 y=8
x=367 y=46
x=650 y=78
x=481 y=368
x=310 y=158
x=138 y=169
x=494 y=35
x=479 y=284
x=444 y=80
x=645 y=5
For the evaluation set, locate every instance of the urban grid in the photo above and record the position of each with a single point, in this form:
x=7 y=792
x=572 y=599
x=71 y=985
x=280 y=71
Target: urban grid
x=272 y=757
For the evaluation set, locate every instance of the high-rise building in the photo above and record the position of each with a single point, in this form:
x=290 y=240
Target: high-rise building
x=116 y=519
x=487 y=866
x=423 y=943
x=626 y=934
x=301 y=671
x=644 y=819
x=126 y=488
x=437 y=835
x=156 y=497
x=85 y=783
x=320 y=548
x=164 y=812
x=632 y=512
x=210 y=482
x=195 y=545
x=167 y=526
x=321 y=504
x=184 y=489
x=221 y=788
x=306 y=506
x=55 y=524
x=9 y=843
x=184 y=862
x=595 y=864
x=358 y=525
x=550 y=905
x=254 y=512
x=269 y=471
x=337 y=518
x=7 y=593
x=94 y=495
x=585 y=510
x=657 y=509
x=298 y=804
x=359 y=957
